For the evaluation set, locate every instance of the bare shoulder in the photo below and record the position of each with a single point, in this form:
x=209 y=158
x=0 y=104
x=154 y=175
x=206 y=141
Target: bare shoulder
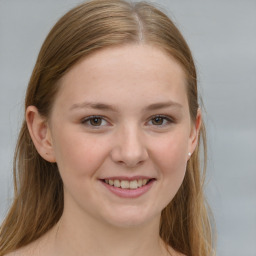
x=24 y=251
x=181 y=254
x=178 y=254
x=39 y=247
x=175 y=253
x=32 y=249
x=17 y=253
x=172 y=252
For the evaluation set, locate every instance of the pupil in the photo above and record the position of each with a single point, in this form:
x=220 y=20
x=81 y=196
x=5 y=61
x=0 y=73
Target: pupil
x=96 y=121
x=158 y=120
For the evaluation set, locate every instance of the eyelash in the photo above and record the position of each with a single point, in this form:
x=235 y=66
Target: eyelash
x=167 y=120
x=90 y=118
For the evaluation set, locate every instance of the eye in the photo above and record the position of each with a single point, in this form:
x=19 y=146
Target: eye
x=160 y=120
x=95 y=121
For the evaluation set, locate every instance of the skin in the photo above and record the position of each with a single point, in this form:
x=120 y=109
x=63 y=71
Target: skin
x=127 y=141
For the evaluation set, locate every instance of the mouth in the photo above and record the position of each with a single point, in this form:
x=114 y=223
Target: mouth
x=128 y=184
x=128 y=187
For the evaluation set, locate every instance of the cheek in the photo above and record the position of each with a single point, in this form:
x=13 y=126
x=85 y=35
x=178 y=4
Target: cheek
x=171 y=149
x=170 y=157
x=78 y=154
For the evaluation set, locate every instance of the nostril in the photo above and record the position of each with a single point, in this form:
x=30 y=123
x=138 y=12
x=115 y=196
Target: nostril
x=129 y=151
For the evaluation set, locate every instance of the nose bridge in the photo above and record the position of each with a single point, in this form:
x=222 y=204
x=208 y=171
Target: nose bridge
x=130 y=148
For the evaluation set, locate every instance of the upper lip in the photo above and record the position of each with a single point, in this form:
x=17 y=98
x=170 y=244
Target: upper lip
x=127 y=178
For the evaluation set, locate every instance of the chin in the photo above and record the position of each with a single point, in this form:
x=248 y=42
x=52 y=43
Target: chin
x=129 y=219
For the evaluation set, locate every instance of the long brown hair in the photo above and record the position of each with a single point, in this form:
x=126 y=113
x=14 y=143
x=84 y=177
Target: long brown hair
x=38 y=189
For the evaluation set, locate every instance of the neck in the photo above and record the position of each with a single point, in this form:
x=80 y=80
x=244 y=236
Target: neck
x=90 y=237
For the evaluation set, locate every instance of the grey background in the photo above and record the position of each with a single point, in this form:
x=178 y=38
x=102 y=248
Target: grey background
x=222 y=36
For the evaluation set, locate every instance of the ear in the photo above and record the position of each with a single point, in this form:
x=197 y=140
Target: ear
x=40 y=134
x=194 y=133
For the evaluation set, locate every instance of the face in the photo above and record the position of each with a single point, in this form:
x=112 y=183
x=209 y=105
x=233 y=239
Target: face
x=121 y=133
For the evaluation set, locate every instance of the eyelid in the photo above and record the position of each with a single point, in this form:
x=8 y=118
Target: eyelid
x=168 y=118
x=88 y=118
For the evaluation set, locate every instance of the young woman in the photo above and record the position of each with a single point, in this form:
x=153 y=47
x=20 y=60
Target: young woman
x=107 y=161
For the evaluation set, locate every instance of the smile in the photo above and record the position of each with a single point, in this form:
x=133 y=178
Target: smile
x=126 y=184
x=128 y=188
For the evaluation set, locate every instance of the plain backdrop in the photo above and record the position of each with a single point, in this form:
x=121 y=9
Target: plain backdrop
x=222 y=37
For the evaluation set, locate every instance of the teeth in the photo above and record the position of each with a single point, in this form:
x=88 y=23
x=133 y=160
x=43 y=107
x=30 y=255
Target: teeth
x=144 y=182
x=133 y=184
x=117 y=183
x=126 y=184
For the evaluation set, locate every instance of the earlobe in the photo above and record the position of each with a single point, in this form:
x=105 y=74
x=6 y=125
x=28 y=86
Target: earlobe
x=195 y=132
x=40 y=134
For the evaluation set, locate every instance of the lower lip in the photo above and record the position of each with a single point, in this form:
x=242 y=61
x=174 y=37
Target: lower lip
x=129 y=193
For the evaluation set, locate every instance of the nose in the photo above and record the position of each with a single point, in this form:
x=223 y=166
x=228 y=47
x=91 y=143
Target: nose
x=129 y=148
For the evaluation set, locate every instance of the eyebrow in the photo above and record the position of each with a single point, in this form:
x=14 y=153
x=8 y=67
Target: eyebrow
x=160 y=105
x=108 y=107
x=94 y=105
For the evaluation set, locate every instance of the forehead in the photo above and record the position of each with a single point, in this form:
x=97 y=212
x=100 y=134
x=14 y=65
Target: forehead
x=135 y=71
